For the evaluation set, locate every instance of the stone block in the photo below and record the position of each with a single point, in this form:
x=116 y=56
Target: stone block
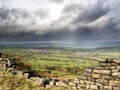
x=86 y=74
x=96 y=76
x=115 y=70
x=91 y=79
x=93 y=87
x=116 y=88
x=88 y=70
x=82 y=86
x=102 y=81
x=114 y=83
x=97 y=71
x=82 y=81
x=118 y=67
x=0 y=58
x=107 y=87
x=117 y=74
x=26 y=75
x=108 y=72
x=83 y=78
x=103 y=60
x=99 y=68
x=89 y=82
x=103 y=64
x=116 y=61
x=112 y=67
x=106 y=77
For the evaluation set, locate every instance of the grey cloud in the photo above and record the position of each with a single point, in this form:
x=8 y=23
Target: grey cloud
x=4 y=13
x=22 y=13
x=92 y=14
x=42 y=13
x=77 y=23
x=86 y=14
x=72 y=8
x=19 y=13
x=97 y=22
x=57 y=1
x=16 y=21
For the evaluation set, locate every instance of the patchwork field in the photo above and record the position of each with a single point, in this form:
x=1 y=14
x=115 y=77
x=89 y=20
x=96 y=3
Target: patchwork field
x=60 y=62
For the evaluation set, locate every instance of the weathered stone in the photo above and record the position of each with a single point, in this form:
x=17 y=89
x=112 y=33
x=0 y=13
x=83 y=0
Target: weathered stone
x=86 y=74
x=114 y=83
x=102 y=60
x=88 y=70
x=116 y=61
x=112 y=67
x=69 y=80
x=57 y=83
x=83 y=78
x=74 y=88
x=52 y=83
x=19 y=74
x=96 y=76
x=82 y=81
x=115 y=70
x=107 y=87
x=71 y=84
x=113 y=64
x=102 y=64
x=37 y=81
x=0 y=58
x=117 y=74
x=87 y=86
x=93 y=87
x=76 y=81
x=26 y=75
x=82 y=86
x=99 y=68
x=102 y=81
x=116 y=78
x=108 y=72
x=10 y=69
x=96 y=71
x=116 y=88
x=106 y=77
x=91 y=79
x=89 y=82
x=118 y=67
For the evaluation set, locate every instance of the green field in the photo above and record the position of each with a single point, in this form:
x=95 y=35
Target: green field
x=61 y=62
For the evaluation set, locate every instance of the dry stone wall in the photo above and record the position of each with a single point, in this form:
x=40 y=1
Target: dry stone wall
x=105 y=76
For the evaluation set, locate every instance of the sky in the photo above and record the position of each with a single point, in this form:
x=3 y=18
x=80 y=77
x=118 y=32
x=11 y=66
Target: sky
x=72 y=21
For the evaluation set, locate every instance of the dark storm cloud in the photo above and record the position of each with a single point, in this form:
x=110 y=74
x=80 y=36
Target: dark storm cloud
x=99 y=21
x=96 y=22
x=57 y=1
x=22 y=13
x=16 y=21
x=4 y=13
x=92 y=14
x=18 y=13
x=86 y=14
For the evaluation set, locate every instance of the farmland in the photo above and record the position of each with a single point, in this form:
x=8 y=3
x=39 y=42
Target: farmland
x=60 y=62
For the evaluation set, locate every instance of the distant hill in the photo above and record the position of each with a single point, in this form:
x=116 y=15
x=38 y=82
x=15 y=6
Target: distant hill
x=61 y=45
